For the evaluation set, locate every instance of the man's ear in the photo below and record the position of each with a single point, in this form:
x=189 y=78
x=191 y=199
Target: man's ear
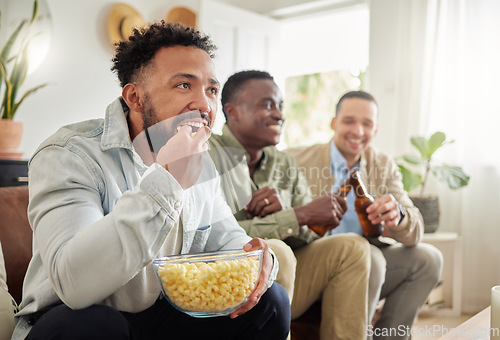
x=131 y=95
x=231 y=112
x=332 y=124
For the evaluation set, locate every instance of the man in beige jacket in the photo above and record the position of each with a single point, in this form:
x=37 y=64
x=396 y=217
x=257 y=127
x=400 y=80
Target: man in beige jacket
x=405 y=272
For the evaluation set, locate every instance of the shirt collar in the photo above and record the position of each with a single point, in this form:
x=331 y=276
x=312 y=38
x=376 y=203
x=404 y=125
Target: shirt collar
x=231 y=141
x=116 y=133
x=337 y=161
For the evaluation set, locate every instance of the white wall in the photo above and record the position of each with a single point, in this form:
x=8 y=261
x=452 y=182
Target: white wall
x=77 y=66
x=79 y=60
x=327 y=41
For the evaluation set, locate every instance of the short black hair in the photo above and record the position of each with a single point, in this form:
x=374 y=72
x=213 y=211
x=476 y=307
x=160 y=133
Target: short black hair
x=234 y=84
x=354 y=94
x=136 y=52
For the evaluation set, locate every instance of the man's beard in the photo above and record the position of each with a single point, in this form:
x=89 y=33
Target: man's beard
x=158 y=133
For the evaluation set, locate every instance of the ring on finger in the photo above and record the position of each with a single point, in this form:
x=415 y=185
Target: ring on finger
x=266 y=201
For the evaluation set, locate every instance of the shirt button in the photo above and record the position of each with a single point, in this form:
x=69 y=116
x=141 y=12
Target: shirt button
x=177 y=205
x=290 y=231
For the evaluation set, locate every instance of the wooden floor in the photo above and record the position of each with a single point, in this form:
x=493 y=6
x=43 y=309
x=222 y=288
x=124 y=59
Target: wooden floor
x=428 y=327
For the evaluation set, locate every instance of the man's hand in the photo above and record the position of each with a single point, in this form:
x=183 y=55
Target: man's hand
x=262 y=282
x=326 y=210
x=183 y=154
x=384 y=209
x=264 y=201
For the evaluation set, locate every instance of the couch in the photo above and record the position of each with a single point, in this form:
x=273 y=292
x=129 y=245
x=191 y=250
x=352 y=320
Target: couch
x=15 y=252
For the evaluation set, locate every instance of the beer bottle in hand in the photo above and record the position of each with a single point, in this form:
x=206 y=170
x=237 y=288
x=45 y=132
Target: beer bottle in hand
x=363 y=200
x=342 y=191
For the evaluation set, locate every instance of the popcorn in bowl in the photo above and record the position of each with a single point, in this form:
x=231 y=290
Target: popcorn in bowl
x=209 y=284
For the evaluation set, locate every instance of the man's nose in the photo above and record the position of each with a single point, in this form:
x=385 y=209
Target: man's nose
x=201 y=102
x=278 y=113
x=360 y=131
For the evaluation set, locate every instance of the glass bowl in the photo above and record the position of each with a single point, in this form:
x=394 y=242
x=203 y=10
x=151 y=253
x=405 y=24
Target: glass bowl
x=209 y=284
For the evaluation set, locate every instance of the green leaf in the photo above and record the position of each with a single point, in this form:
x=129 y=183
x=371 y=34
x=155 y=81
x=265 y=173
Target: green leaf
x=6 y=103
x=12 y=40
x=34 y=16
x=421 y=144
x=18 y=75
x=451 y=175
x=436 y=141
x=412 y=159
x=411 y=180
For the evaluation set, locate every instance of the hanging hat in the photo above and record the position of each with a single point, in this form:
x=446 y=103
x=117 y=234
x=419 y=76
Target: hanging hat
x=121 y=20
x=182 y=15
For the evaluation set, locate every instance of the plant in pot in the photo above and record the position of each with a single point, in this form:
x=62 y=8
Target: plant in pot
x=416 y=170
x=14 y=69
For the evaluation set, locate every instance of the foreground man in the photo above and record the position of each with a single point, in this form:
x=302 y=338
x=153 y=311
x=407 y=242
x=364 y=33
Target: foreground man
x=109 y=196
x=333 y=269
x=403 y=273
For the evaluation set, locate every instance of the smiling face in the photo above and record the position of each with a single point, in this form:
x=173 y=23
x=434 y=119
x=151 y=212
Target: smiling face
x=355 y=125
x=255 y=114
x=177 y=88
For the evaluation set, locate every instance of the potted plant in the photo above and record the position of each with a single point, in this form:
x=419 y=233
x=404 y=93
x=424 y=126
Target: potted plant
x=416 y=170
x=14 y=67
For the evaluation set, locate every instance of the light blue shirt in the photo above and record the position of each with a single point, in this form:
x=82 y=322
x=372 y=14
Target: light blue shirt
x=350 y=221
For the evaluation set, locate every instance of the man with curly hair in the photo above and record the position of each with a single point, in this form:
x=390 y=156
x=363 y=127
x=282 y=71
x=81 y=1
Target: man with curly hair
x=132 y=187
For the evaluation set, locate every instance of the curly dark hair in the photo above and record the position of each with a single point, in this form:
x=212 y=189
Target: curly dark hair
x=136 y=52
x=234 y=84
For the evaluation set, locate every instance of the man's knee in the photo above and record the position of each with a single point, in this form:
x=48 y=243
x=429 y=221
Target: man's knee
x=284 y=253
x=287 y=264
x=430 y=259
x=378 y=267
x=357 y=246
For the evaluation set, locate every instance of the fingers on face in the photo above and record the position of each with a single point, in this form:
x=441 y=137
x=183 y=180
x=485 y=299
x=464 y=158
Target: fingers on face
x=203 y=134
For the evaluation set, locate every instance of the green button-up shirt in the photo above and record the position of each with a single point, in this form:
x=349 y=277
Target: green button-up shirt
x=277 y=170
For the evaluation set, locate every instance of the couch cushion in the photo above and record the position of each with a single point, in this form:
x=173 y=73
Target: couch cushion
x=15 y=236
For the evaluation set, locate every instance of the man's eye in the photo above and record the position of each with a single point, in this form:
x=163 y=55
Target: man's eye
x=268 y=106
x=183 y=86
x=214 y=90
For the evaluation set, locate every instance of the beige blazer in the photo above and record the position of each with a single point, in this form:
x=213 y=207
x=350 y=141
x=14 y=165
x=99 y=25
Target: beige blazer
x=381 y=176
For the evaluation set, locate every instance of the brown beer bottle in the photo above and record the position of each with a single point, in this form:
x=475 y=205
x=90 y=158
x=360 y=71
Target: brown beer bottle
x=363 y=200
x=342 y=191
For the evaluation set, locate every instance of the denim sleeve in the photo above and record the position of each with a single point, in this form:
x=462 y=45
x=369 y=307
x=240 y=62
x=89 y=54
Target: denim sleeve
x=87 y=251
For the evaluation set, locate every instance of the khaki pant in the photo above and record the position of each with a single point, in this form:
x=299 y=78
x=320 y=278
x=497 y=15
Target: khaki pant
x=287 y=262
x=334 y=269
